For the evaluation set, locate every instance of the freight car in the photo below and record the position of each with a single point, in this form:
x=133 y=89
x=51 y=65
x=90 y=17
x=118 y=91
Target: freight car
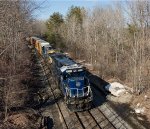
x=43 y=47
x=73 y=82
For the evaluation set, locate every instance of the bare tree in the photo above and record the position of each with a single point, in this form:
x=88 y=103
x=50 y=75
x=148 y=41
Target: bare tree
x=15 y=24
x=114 y=40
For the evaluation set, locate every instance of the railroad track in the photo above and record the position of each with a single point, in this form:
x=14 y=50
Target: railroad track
x=101 y=119
x=94 y=119
x=83 y=120
x=97 y=118
x=87 y=120
x=106 y=111
x=69 y=119
x=55 y=113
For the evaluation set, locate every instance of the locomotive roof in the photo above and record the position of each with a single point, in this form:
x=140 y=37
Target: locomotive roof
x=71 y=67
x=36 y=38
x=42 y=42
x=63 y=59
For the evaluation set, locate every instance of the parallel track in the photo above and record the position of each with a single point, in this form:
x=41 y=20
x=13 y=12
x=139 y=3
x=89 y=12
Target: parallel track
x=72 y=122
x=88 y=121
x=53 y=95
x=101 y=119
x=106 y=111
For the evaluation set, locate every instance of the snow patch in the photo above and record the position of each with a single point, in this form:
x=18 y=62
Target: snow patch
x=139 y=110
x=116 y=89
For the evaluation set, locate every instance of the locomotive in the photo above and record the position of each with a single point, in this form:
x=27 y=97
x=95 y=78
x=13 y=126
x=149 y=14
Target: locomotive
x=73 y=82
x=71 y=76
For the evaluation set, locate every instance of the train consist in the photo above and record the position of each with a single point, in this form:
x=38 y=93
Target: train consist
x=71 y=76
x=43 y=47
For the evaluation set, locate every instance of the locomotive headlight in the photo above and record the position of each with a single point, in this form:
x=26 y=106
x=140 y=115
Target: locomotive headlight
x=78 y=84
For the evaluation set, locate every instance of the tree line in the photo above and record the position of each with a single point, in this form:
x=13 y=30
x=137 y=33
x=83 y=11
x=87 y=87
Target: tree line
x=15 y=25
x=114 y=39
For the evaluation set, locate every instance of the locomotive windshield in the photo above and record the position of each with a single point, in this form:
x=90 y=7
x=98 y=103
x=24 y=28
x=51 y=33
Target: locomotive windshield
x=74 y=74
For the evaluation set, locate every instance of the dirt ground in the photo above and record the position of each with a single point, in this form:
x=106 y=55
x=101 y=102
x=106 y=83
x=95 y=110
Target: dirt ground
x=142 y=101
x=22 y=120
x=134 y=108
x=136 y=102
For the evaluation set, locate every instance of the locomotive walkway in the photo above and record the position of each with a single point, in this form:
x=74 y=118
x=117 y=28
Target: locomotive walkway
x=101 y=116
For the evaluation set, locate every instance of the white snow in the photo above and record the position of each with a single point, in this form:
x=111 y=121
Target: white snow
x=139 y=110
x=138 y=104
x=115 y=89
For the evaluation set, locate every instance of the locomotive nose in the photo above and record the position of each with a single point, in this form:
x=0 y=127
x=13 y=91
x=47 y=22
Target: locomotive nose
x=76 y=86
x=76 y=82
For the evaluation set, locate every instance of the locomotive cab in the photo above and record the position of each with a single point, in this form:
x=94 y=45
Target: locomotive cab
x=47 y=49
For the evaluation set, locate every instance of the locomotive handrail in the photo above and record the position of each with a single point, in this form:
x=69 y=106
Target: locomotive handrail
x=68 y=90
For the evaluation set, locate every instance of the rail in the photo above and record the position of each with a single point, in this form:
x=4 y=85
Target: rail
x=44 y=67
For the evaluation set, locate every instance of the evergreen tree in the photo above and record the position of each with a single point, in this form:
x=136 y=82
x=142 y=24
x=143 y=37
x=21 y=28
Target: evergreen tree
x=77 y=13
x=53 y=24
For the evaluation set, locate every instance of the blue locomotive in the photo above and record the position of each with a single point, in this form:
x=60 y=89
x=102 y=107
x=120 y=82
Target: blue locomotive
x=73 y=82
